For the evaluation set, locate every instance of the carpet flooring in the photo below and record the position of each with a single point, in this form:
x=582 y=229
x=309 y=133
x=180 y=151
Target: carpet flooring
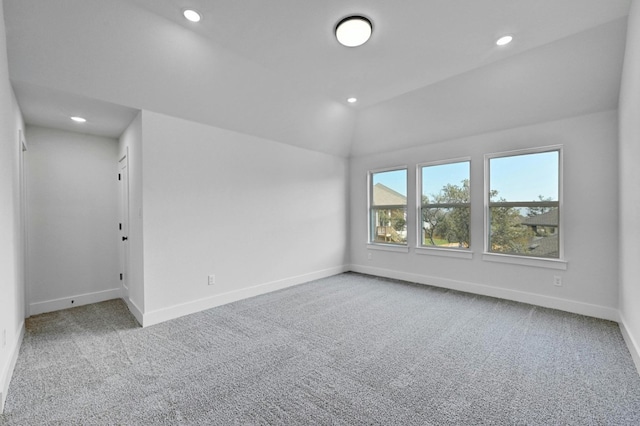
x=345 y=350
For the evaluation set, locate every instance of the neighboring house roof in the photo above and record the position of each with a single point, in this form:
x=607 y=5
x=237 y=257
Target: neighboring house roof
x=544 y=246
x=549 y=218
x=385 y=196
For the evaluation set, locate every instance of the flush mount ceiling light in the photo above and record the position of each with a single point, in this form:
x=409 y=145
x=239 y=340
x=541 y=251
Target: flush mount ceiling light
x=352 y=100
x=502 y=41
x=353 y=31
x=79 y=119
x=192 y=15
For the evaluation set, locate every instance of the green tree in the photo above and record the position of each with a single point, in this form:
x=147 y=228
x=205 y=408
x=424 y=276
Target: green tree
x=535 y=211
x=398 y=220
x=508 y=235
x=432 y=217
x=452 y=223
x=447 y=222
x=455 y=227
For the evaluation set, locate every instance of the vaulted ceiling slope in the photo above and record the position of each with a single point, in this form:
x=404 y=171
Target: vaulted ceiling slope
x=431 y=71
x=577 y=75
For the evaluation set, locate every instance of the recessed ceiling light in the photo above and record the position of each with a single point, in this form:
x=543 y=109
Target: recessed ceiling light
x=79 y=119
x=353 y=31
x=504 y=40
x=192 y=15
x=352 y=100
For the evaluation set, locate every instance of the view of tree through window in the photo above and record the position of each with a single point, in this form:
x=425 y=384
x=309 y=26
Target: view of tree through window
x=388 y=207
x=445 y=210
x=524 y=204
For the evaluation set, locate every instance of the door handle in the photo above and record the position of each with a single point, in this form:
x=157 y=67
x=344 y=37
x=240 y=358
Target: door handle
x=125 y=238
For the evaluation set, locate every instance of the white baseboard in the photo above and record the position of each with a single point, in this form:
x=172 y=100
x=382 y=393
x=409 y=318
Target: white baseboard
x=135 y=310
x=632 y=344
x=176 y=311
x=73 y=301
x=7 y=370
x=587 y=309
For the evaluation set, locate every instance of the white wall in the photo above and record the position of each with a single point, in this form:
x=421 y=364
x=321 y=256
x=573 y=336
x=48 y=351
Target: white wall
x=11 y=237
x=590 y=201
x=629 y=176
x=258 y=214
x=72 y=219
x=130 y=144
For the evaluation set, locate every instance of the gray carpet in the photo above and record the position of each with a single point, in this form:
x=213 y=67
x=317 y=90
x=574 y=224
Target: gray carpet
x=346 y=350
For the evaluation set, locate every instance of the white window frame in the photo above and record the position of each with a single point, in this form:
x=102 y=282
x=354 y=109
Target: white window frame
x=456 y=252
x=374 y=245
x=543 y=262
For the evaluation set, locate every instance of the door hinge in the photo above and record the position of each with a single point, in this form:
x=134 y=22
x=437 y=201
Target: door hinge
x=120 y=226
x=120 y=277
x=119 y=176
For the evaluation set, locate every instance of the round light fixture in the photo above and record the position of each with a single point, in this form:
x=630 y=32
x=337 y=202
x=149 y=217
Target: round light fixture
x=353 y=31
x=79 y=119
x=192 y=15
x=502 y=41
x=352 y=100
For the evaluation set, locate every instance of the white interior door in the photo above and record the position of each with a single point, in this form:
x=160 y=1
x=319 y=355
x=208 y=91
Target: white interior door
x=123 y=239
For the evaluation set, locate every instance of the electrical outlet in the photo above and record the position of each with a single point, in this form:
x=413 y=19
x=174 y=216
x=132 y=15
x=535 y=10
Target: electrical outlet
x=369 y=256
x=212 y=279
x=557 y=280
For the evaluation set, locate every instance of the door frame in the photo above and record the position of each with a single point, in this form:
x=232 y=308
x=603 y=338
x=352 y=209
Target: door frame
x=124 y=217
x=22 y=149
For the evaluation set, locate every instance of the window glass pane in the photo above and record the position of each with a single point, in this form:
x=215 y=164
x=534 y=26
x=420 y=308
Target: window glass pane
x=525 y=177
x=446 y=227
x=388 y=208
x=524 y=205
x=445 y=212
x=436 y=178
x=392 y=188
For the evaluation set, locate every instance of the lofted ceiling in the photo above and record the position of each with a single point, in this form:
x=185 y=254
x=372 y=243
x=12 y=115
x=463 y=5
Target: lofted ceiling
x=46 y=107
x=430 y=72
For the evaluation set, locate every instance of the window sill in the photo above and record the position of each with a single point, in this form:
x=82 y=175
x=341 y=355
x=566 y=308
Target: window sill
x=388 y=247
x=538 y=262
x=444 y=252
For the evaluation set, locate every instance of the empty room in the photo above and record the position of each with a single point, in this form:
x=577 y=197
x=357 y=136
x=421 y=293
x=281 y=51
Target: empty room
x=247 y=212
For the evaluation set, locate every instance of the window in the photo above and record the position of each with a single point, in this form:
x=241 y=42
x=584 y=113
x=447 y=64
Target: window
x=388 y=207
x=523 y=208
x=445 y=206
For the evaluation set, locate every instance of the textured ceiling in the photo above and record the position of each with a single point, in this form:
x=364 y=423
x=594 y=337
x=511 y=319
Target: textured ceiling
x=430 y=72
